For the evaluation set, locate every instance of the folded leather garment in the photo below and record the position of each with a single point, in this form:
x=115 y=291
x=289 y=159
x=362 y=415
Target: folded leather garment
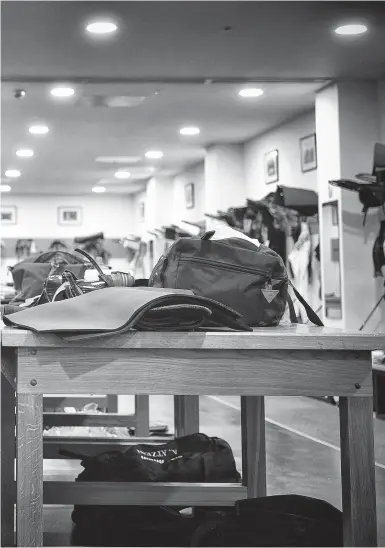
x=119 y=309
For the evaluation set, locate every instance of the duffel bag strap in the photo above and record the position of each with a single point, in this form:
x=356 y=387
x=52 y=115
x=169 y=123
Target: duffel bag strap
x=312 y=316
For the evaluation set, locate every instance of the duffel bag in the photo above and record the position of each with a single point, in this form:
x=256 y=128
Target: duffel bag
x=282 y=520
x=232 y=269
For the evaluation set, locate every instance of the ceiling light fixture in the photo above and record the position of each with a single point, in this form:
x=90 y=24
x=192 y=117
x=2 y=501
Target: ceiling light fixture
x=101 y=27
x=154 y=154
x=122 y=174
x=25 y=153
x=189 y=131
x=5 y=188
x=99 y=189
x=38 y=130
x=62 y=92
x=12 y=173
x=351 y=30
x=251 y=92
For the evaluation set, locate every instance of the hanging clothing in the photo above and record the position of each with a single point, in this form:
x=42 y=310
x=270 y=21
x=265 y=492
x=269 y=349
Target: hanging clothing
x=298 y=261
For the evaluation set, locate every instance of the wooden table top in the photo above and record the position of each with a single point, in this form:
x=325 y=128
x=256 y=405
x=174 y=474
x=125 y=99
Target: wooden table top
x=285 y=337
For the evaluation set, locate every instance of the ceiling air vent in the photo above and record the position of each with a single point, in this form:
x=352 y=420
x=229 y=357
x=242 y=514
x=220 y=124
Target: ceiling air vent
x=111 y=101
x=125 y=160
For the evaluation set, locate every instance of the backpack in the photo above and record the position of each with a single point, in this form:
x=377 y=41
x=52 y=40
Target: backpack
x=29 y=276
x=283 y=520
x=194 y=458
x=230 y=268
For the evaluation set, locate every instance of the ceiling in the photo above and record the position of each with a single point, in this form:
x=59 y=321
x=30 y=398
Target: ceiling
x=188 y=69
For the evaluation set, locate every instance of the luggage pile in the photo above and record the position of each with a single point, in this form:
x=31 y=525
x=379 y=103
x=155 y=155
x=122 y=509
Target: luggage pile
x=288 y=520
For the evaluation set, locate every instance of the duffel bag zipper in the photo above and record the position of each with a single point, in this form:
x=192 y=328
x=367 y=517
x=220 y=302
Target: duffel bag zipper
x=232 y=267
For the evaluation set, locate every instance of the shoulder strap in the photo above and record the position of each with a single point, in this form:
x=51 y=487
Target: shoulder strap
x=312 y=316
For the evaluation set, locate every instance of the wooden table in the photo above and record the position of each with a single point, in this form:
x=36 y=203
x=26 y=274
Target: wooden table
x=289 y=361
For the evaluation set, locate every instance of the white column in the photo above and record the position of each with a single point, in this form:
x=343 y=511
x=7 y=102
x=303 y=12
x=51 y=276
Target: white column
x=224 y=178
x=348 y=125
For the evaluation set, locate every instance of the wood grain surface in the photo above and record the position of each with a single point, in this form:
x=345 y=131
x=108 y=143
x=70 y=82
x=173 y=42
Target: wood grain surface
x=142 y=416
x=358 y=472
x=186 y=415
x=171 y=494
x=264 y=338
x=253 y=445
x=8 y=454
x=29 y=474
x=189 y=372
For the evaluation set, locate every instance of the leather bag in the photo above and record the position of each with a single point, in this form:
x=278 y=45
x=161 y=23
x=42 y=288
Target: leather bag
x=120 y=309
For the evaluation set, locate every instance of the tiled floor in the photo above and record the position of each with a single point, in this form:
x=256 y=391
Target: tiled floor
x=302 y=438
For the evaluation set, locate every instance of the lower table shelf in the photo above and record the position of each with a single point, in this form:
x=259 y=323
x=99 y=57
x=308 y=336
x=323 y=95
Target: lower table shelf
x=143 y=494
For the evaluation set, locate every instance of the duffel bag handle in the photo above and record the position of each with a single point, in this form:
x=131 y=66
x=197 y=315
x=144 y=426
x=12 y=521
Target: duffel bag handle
x=312 y=316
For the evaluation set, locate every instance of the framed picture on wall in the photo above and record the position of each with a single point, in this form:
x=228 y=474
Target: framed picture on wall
x=8 y=215
x=189 y=195
x=271 y=167
x=141 y=211
x=308 y=149
x=70 y=216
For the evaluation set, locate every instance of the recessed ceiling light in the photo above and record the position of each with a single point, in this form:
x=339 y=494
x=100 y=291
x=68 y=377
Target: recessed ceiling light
x=12 y=173
x=101 y=27
x=5 y=188
x=122 y=174
x=190 y=131
x=38 y=130
x=25 y=153
x=154 y=154
x=62 y=92
x=351 y=30
x=99 y=189
x=251 y=92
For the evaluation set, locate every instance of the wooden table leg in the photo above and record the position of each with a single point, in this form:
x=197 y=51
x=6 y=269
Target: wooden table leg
x=186 y=410
x=112 y=403
x=253 y=445
x=358 y=471
x=29 y=475
x=142 y=415
x=8 y=454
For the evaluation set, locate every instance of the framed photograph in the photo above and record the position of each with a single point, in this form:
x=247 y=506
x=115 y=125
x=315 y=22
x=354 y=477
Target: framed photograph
x=308 y=148
x=70 y=216
x=141 y=211
x=189 y=195
x=8 y=215
x=271 y=167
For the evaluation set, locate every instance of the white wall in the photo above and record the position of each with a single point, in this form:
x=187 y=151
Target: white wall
x=381 y=107
x=139 y=223
x=195 y=175
x=37 y=216
x=285 y=139
x=224 y=179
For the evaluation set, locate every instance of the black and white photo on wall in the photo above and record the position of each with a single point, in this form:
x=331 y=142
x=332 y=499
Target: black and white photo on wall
x=271 y=167
x=70 y=216
x=308 y=149
x=189 y=195
x=8 y=215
